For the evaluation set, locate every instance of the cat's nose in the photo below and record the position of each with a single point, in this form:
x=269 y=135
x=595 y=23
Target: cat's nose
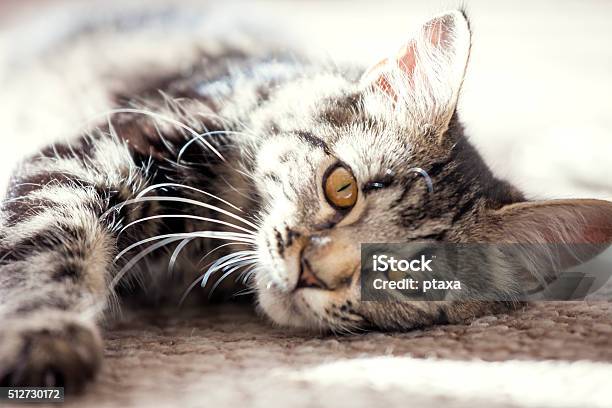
x=327 y=262
x=308 y=277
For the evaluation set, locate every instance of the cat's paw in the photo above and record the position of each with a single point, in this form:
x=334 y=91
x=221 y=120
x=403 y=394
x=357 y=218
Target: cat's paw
x=55 y=350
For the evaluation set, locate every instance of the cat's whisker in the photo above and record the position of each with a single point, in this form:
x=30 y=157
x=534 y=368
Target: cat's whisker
x=225 y=275
x=200 y=137
x=425 y=175
x=244 y=292
x=179 y=200
x=229 y=260
x=138 y=257
x=162 y=185
x=186 y=216
x=226 y=261
x=245 y=261
x=166 y=239
x=199 y=278
x=184 y=165
x=226 y=121
x=176 y=253
x=200 y=234
x=167 y=119
x=216 y=249
x=163 y=139
x=248 y=274
x=189 y=289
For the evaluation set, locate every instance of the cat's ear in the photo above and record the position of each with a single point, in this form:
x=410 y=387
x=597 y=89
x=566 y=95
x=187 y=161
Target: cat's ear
x=428 y=70
x=576 y=221
x=555 y=235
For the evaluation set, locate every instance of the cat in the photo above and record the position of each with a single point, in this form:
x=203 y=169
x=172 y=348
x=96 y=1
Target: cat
x=274 y=167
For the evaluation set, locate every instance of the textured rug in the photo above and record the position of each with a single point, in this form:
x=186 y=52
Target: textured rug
x=546 y=355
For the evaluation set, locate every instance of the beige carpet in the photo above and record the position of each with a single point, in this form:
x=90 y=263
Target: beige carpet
x=547 y=355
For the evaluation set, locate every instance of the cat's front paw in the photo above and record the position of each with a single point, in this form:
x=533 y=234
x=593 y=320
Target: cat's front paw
x=56 y=350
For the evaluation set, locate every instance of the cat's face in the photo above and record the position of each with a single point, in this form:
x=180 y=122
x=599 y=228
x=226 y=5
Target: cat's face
x=327 y=192
x=382 y=159
x=341 y=170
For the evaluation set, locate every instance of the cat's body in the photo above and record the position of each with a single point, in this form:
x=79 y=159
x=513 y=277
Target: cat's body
x=238 y=148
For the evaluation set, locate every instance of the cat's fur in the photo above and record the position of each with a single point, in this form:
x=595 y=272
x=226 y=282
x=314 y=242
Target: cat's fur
x=272 y=125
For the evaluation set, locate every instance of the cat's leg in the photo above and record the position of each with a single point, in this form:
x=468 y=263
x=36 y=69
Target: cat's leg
x=57 y=246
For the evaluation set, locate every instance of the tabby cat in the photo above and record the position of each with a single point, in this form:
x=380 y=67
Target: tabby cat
x=274 y=168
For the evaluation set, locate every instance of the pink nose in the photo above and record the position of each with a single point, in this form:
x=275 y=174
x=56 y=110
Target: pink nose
x=308 y=278
x=327 y=262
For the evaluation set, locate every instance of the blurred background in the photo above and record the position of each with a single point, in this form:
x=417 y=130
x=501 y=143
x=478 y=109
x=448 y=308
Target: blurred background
x=536 y=100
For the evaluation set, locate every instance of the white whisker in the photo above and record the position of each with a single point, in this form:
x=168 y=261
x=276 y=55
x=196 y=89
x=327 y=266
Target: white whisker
x=189 y=289
x=225 y=275
x=200 y=234
x=200 y=137
x=246 y=274
x=228 y=123
x=176 y=252
x=169 y=120
x=217 y=248
x=161 y=185
x=244 y=292
x=196 y=281
x=227 y=260
x=138 y=257
x=192 y=217
x=181 y=200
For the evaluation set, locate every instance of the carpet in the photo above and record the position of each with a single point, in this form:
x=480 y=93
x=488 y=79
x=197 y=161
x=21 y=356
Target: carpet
x=548 y=354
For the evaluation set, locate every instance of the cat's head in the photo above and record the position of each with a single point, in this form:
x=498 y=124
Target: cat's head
x=383 y=158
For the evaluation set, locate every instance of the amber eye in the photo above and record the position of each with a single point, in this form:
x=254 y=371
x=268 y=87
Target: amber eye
x=340 y=188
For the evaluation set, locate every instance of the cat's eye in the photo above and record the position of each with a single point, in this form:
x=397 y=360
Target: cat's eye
x=340 y=188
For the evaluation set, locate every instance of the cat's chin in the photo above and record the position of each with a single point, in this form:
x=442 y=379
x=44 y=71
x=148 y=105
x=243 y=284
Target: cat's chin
x=288 y=309
x=294 y=308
